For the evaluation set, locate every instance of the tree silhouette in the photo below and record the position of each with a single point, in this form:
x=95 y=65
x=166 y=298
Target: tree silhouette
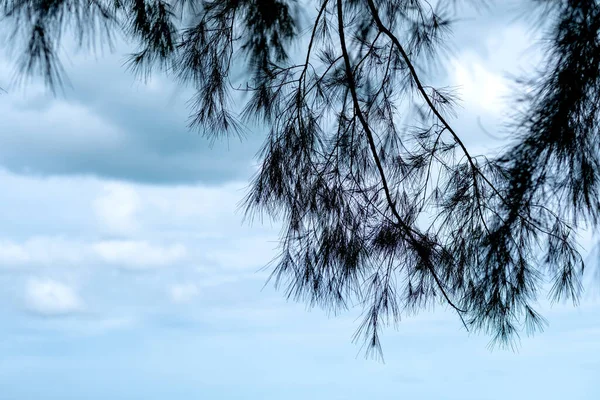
x=382 y=203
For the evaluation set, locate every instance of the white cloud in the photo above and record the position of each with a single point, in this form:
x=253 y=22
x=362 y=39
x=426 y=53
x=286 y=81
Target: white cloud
x=49 y=297
x=182 y=204
x=49 y=251
x=12 y=253
x=478 y=86
x=132 y=254
x=482 y=78
x=116 y=209
x=183 y=293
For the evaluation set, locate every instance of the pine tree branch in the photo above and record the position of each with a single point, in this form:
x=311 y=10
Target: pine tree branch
x=409 y=231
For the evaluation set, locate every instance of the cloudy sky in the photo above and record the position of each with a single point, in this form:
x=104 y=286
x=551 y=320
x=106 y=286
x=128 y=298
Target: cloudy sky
x=127 y=273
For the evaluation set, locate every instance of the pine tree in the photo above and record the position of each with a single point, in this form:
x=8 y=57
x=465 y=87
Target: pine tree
x=382 y=204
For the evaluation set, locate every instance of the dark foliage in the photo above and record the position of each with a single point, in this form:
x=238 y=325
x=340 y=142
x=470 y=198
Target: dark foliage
x=382 y=204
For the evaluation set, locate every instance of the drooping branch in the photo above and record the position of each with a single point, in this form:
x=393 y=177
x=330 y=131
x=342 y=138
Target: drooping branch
x=411 y=234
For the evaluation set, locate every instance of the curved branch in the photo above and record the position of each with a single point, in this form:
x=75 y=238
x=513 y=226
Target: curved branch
x=408 y=230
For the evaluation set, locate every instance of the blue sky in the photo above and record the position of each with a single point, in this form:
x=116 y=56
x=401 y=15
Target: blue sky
x=127 y=272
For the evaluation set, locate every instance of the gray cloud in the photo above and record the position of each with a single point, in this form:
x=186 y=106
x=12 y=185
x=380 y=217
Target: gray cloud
x=108 y=124
x=51 y=298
